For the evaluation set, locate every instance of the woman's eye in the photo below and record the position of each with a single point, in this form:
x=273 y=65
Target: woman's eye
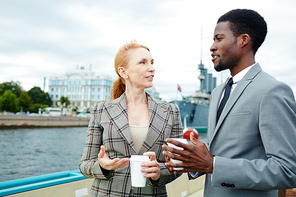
x=152 y=63
x=142 y=62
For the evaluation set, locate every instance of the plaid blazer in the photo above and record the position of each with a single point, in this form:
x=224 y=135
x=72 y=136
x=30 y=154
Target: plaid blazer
x=109 y=126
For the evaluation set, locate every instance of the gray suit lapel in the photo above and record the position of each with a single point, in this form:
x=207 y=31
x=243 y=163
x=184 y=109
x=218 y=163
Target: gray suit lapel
x=117 y=111
x=237 y=92
x=158 y=114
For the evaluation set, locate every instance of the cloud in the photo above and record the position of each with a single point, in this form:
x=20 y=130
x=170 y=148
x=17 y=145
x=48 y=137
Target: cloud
x=42 y=39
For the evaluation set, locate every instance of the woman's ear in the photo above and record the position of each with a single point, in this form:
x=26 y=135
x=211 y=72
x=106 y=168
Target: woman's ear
x=122 y=73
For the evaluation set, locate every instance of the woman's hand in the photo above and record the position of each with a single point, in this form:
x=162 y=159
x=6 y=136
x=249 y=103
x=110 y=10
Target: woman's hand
x=151 y=168
x=110 y=164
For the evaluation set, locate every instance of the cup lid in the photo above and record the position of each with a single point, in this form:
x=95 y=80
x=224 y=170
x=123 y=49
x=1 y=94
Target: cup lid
x=181 y=140
x=139 y=158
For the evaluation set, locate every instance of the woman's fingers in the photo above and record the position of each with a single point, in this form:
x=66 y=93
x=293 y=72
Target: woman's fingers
x=151 y=155
x=102 y=152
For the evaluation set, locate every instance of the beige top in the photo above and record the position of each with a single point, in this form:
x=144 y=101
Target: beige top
x=138 y=135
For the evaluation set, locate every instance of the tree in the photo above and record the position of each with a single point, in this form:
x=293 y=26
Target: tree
x=25 y=101
x=64 y=102
x=38 y=96
x=34 y=108
x=15 y=87
x=9 y=101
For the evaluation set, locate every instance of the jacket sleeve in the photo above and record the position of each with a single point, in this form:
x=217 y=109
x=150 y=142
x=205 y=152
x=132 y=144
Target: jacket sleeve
x=277 y=128
x=89 y=165
x=177 y=132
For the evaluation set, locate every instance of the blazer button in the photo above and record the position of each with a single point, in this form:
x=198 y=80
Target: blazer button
x=232 y=185
x=223 y=184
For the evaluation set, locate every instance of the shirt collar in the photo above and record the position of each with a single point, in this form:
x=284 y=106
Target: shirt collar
x=241 y=74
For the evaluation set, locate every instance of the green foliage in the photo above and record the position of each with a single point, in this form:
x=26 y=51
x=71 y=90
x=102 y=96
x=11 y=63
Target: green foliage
x=9 y=102
x=15 y=88
x=64 y=102
x=38 y=96
x=35 y=107
x=75 y=109
x=12 y=98
x=25 y=101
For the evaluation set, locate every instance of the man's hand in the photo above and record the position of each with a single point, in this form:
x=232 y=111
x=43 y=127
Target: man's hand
x=195 y=158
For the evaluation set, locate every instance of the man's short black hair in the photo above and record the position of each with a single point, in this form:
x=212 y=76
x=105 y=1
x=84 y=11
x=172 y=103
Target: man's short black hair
x=245 y=21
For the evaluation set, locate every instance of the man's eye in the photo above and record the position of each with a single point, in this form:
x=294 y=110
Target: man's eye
x=152 y=63
x=142 y=62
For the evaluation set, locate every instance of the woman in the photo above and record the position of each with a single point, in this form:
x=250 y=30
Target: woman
x=130 y=124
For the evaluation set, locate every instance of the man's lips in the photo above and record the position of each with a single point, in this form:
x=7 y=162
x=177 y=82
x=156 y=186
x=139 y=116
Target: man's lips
x=215 y=56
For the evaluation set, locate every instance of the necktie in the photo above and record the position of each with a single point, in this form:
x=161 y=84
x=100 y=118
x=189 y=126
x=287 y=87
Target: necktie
x=225 y=97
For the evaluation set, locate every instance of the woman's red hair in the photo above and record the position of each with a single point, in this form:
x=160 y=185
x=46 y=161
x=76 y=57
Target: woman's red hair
x=121 y=60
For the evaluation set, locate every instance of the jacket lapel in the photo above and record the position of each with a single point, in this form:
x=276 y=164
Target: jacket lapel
x=117 y=111
x=237 y=92
x=158 y=115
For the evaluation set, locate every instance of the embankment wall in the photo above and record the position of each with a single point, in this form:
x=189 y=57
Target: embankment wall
x=41 y=121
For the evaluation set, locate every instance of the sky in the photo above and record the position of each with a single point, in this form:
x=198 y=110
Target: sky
x=41 y=39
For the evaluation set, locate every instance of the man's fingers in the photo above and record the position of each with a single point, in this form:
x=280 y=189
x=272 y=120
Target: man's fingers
x=193 y=139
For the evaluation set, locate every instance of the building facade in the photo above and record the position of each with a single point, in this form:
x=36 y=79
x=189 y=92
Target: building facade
x=83 y=88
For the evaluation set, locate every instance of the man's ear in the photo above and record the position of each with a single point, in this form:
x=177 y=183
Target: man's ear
x=245 y=40
x=122 y=73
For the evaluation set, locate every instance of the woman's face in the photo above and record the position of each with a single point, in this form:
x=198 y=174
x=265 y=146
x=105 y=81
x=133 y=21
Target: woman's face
x=139 y=70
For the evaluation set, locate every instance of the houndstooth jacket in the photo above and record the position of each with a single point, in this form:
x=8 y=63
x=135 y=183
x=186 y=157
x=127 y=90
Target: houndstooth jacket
x=109 y=126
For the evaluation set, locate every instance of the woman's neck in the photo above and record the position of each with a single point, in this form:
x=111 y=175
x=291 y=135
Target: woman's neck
x=136 y=97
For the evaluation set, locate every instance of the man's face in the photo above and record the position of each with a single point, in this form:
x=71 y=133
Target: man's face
x=225 y=48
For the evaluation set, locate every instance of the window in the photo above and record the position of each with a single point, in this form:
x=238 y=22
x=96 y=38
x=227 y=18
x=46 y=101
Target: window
x=99 y=89
x=92 y=97
x=98 y=97
x=93 y=89
x=52 y=89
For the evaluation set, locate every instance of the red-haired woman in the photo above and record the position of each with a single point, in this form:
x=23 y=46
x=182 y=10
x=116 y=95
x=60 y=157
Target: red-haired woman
x=131 y=123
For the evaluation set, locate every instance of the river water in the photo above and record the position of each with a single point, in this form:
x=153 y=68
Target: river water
x=32 y=152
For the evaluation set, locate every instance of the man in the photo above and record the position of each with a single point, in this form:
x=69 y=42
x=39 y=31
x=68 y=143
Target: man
x=251 y=149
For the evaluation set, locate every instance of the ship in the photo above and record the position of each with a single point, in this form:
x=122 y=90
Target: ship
x=194 y=109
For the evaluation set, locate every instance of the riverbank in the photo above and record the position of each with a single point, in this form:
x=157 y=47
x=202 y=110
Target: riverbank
x=15 y=121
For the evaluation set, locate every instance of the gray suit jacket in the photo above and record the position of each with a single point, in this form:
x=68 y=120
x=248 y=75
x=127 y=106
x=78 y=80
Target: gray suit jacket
x=254 y=141
x=109 y=126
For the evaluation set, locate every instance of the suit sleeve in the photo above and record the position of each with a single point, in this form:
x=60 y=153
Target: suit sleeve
x=89 y=165
x=177 y=132
x=277 y=127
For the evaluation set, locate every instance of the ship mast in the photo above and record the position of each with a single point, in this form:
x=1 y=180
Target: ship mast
x=201 y=77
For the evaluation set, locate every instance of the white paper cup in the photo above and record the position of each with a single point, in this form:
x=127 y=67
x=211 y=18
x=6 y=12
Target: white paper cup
x=179 y=148
x=138 y=179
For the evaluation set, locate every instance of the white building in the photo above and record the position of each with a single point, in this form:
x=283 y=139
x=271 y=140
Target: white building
x=82 y=87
